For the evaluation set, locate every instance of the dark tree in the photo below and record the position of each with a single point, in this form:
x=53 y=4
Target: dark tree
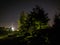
x=32 y=26
x=57 y=21
x=38 y=18
x=3 y=31
x=54 y=35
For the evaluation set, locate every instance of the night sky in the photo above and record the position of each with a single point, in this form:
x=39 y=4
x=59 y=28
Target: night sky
x=10 y=10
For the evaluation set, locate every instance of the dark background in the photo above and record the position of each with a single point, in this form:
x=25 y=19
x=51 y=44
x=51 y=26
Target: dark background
x=11 y=9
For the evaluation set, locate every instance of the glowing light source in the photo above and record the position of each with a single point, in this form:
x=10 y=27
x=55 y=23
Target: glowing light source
x=13 y=29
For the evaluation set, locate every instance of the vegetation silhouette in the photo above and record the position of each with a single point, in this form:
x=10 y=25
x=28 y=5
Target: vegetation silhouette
x=34 y=26
x=54 y=33
x=2 y=31
x=34 y=29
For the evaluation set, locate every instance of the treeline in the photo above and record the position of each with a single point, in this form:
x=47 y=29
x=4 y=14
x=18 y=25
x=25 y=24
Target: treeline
x=3 y=31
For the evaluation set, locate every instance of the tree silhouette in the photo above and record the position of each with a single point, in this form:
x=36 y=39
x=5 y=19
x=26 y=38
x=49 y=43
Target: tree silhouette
x=57 y=21
x=56 y=27
x=22 y=22
x=31 y=25
x=3 y=31
x=38 y=18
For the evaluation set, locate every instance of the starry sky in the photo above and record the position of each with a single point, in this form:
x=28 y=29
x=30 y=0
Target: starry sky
x=10 y=9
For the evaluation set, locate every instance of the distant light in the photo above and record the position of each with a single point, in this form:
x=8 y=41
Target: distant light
x=13 y=29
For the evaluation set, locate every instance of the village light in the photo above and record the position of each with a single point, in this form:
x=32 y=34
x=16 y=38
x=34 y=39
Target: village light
x=13 y=29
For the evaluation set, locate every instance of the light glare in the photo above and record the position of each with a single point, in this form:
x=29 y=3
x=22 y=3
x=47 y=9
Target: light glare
x=12 y=28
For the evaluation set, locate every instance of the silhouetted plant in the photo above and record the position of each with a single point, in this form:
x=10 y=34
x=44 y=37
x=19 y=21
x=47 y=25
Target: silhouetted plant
x=57 y=21
x=33 y=25
x=3 y=31
x=54 y=36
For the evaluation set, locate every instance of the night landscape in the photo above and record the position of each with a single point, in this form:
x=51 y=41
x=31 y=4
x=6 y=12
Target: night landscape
x=29 y=22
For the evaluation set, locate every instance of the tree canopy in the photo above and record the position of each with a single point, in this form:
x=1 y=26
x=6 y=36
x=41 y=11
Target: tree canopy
x=32 y=23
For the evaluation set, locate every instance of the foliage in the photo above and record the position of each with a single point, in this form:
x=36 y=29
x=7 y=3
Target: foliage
x=3 y=31
x=55 y=31
x=57 y=21
x=31 y=25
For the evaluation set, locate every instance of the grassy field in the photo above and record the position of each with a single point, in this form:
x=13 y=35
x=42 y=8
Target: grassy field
x=9 y=35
